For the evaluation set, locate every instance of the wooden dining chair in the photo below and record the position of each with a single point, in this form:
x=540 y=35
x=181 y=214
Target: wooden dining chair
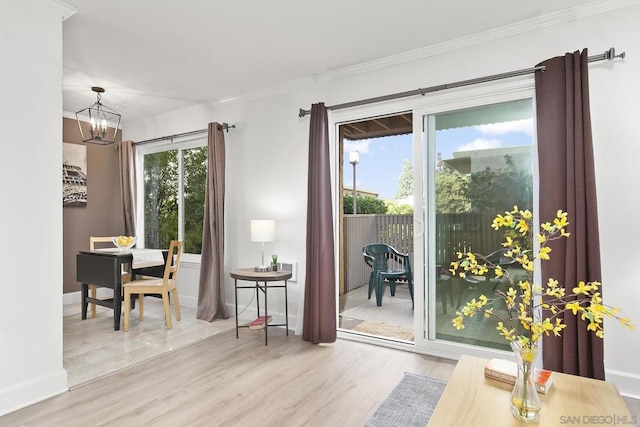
x=154 y=285
x=126 y=276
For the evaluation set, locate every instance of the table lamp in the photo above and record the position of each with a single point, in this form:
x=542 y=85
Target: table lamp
x=263 y=230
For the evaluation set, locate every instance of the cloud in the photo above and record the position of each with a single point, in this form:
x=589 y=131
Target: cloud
x=480 y=144
x=522 y=126
x=362 y=146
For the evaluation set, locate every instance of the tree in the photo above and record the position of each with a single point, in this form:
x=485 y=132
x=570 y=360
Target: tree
x=395 y=208
x=486 y=191
x=366 y=205
x=195 y=173
x=452 y=190
x=498 y=190
x=161 y=178
x=161 y=204
x=405 y=183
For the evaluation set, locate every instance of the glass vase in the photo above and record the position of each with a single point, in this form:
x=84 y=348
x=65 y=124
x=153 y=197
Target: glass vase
x=525 y=402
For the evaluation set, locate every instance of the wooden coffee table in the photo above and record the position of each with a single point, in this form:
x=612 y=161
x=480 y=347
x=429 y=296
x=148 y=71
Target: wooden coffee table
x=470 y=399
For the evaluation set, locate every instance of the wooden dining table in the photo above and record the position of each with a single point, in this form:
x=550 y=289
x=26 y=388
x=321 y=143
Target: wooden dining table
x=103 y=267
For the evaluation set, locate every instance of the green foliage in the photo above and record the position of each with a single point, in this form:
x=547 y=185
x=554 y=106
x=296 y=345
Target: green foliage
x=365 y=205
x=405 y=183
x=160 y=194
x=452 y=189
x=497 y=190
x=161 y=197
x=490 y=190
x=395 y=208
x=195 y=176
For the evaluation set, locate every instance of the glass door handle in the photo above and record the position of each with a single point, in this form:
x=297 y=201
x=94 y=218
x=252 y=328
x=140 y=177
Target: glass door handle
x=418 y=228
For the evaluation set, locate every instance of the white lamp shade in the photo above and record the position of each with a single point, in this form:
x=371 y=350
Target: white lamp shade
x=263 y=230
x=354 y=157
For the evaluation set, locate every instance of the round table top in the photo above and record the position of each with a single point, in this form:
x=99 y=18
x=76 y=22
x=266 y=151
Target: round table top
x=266 y=276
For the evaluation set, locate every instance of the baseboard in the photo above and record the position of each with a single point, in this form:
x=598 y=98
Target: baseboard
x=70 y=298
x=35 y=390
x=189 y=302
x=628 y=384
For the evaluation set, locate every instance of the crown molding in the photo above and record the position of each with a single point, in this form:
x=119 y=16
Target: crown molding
x=525 y=26
x=57 y=7
x=533 y=24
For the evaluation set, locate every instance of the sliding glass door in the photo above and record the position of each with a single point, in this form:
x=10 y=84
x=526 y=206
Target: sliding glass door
x=472 y=158
x=476 y=162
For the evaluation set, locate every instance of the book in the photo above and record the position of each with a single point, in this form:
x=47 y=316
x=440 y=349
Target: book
x=260 y=322
x=505 y=371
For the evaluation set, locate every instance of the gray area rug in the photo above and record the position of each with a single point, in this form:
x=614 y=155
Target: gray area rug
x=410 y=403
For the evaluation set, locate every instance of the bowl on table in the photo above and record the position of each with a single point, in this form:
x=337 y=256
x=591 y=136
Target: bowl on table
x=124 y=242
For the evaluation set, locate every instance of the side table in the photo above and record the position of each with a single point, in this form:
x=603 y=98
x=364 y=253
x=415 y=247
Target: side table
x=262 y=282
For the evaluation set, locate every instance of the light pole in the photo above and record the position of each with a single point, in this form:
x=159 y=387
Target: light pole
x=354 y=158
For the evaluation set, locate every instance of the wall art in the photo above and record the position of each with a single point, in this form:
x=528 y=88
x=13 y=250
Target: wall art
x=74 y=175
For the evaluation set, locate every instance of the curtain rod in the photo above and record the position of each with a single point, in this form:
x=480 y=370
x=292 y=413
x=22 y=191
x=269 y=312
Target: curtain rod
x=223 y=126
x=609 y=54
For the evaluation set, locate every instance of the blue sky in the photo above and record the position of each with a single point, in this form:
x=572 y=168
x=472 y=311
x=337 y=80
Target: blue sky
x=381 y=159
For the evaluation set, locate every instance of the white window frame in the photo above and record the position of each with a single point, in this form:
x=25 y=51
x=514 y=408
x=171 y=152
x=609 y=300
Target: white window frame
x=464 y=97
x=501 y=92
x=185 y=143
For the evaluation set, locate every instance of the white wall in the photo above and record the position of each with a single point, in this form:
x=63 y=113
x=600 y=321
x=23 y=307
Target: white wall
x=266 y=179
x=267 y=152
x=31 y=227
x=615 y=93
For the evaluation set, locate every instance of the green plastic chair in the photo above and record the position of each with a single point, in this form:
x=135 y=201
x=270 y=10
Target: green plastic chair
x=377 y=256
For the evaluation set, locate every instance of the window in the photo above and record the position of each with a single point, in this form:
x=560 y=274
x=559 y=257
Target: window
x=173 y=191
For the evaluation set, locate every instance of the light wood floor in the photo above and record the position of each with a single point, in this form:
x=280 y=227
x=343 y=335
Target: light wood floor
x=224 y=381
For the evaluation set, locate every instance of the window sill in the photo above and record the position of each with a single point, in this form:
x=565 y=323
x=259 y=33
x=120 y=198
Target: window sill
x=190 y=260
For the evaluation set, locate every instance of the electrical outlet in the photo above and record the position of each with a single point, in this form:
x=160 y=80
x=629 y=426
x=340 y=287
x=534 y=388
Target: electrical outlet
x=291 y=266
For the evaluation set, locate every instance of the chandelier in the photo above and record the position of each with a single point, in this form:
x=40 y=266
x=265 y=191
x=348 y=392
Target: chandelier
x=103 y=121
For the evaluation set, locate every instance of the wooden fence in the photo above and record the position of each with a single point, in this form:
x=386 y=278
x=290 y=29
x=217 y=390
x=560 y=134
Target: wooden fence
x=360 y=230
x=465 y=233
x=454 y=233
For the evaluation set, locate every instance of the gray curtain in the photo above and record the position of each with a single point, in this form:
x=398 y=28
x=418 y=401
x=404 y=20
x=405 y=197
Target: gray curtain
x=211 y=295
x=319 y=325
x=567 y=181
x=126 y=156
